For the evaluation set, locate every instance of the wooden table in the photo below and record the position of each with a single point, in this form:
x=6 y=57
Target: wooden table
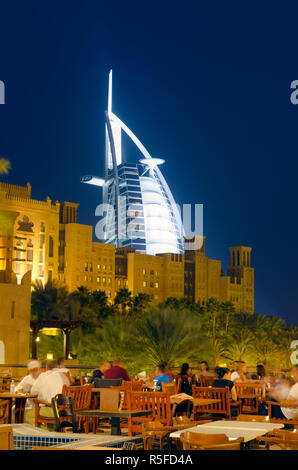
x=115 y=417
x=249 y=430
x=20 y=402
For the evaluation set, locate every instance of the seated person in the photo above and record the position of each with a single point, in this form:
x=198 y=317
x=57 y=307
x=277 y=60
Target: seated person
x=25 y=385
x=185 y=382
x=100 y=371
x=224 y=380
x=34 y=370
x=283 y=392
x=160 y=377
x=61 y=368
x=48 y=384
x=204 y=368
x=117 y=371
x=240 y=372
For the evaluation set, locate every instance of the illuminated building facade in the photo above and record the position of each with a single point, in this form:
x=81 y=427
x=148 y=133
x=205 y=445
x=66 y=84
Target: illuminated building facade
x=141 y=211
x=45 y=238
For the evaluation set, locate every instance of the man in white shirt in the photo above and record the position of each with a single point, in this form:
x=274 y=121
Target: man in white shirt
x=292 y=413
x=48 y=384
x=61 y=368
x=34 y=370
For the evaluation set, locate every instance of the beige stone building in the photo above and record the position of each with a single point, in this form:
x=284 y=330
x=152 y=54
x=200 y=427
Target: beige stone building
x=46 y=239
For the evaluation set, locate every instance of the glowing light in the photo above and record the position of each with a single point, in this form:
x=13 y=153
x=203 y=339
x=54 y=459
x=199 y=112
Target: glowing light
x=50 y=356
x=152 y=162
x=94 y=180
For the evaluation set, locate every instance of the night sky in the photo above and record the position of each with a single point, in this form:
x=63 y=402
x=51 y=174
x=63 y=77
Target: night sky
x=207 y=88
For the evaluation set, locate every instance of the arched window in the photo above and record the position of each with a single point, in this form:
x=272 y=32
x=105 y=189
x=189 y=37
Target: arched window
x=233 y=258
x=238 y=258
x=30 y=251
x=248 y=261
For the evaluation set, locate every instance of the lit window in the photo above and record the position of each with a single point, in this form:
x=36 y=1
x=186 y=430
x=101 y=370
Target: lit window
x=98 y=280
x=144 y=271
x=144 y=283
x=98 y=267
x=103 y=280
x=104 y=267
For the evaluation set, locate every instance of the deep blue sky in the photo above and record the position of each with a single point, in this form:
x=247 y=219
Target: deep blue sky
x=205 y=87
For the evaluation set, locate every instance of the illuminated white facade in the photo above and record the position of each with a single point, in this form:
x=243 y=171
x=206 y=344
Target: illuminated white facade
x=141 y=211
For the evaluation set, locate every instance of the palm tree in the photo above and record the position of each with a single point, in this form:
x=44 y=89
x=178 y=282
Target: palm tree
x=166 y=335
x=123 y=298
x=4 y=166
x=228 y=309
x=48 y=302
x=141 y=302
x=213 y=307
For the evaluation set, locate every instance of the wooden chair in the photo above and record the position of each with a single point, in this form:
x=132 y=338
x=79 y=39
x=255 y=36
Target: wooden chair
x=251 y=394
x=132 y=385
x=155 y=435
x=206 y=380
x=220 y=409
x=286 y=440
x=158 y=403
x=256 y=418
x=82 y=401
x=293 y=422
x=196 y=441
x=4 y=411
x=6 y=438
x=169 y=388
x=39 y=418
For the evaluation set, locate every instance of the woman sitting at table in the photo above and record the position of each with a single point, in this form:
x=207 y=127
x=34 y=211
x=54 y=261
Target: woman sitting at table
x=185 y=386
x=224 y=380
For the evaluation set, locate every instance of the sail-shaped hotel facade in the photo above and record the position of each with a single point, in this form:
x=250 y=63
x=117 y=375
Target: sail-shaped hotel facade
x=140 y=211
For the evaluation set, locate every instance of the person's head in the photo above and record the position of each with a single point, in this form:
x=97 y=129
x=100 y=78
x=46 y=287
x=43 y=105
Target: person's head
x=117 y=362
x=184 y=368
x=261 y=370
x=104 y=365
x=204 y=366
x=294 y=373
x=235 y=365
x=50 y=365
x=161 y=368
x=61 y=362
x=223 y=373
x=34 y=368
x=242 y=367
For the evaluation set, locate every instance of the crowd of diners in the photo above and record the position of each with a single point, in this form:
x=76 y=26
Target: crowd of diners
x=47 y=379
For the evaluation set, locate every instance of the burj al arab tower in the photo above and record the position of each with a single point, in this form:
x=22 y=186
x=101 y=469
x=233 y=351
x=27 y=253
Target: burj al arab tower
x=140 y=211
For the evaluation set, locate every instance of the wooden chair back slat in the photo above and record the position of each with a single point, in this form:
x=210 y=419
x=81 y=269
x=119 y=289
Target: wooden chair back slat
x=223 y=407
x=4 y=411
x=81 y=395
x=206 y=380
x=158 y=403
x=251 y=395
